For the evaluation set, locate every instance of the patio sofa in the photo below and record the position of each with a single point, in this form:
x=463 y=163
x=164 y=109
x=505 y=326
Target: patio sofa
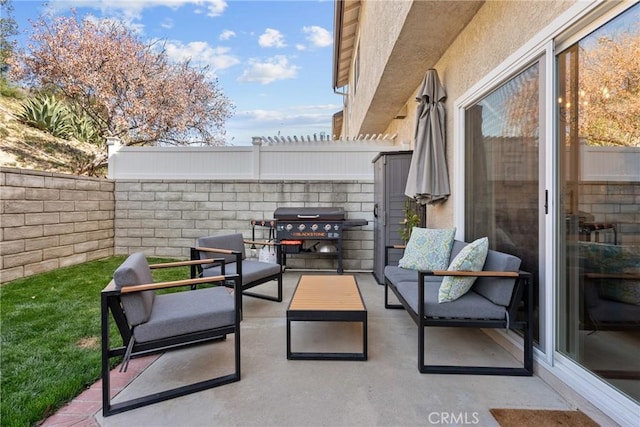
x=610 y=276
x=500 y=297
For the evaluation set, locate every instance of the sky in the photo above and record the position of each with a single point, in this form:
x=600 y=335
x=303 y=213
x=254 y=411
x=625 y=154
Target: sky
x=272 y=59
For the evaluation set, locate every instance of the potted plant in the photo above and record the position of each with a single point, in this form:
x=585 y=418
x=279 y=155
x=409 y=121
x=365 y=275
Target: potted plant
x=411 y=219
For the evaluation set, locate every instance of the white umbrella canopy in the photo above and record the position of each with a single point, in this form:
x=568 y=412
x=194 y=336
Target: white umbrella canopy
x=428 y=179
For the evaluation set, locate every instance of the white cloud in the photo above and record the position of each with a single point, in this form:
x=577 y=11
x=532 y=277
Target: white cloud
x=167 y=23
x=273 y=69
x=128 y=11
x=300 y=46
x=226 y=35
x=134 y=27
x=301 y=121
x=318 y=36
x=201 y=53
x=215 y=7
x=271 y=38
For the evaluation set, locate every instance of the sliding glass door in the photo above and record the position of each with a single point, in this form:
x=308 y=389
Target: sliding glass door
x=598 y=124
x=503 y=155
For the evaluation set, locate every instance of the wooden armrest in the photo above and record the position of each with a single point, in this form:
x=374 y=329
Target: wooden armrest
x=612 y=276
x=171 y=284
x=215 y=250
x=185 y=263
x=396 y=247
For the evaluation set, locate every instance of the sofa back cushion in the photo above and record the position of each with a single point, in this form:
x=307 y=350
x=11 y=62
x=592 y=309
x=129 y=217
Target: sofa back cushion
x=498 y=290
x=135 y=271
x=233 y=242
x=456 y=248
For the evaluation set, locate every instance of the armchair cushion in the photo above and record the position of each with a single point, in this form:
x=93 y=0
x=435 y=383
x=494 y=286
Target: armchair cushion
x=428 y=249
x=135 y=271
x=470 y=258
x=251 y=270
x=185 y=312
x=232 y=242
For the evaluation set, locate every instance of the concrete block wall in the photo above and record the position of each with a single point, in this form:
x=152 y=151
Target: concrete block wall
x=50 y=220
x=613 y=203
x=165 y=217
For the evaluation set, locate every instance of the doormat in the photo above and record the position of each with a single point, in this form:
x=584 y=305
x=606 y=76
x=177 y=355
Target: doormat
x=541 y=418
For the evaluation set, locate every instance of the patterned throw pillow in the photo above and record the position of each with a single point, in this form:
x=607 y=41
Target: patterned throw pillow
x=428 y=249
x=470 y=258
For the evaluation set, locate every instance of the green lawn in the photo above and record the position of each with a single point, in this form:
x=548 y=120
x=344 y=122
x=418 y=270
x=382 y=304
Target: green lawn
x=50 y=337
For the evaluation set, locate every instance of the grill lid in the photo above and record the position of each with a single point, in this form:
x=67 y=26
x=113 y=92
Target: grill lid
x=306 y=213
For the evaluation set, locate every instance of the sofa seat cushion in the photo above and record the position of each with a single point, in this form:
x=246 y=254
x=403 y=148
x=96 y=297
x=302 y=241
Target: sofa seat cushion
x=612 y=312
x=396 y=275
x=251 y=270
x=188 y=311
x=469 y=306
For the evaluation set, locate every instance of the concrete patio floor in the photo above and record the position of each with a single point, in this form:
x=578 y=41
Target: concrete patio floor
x=386 y=390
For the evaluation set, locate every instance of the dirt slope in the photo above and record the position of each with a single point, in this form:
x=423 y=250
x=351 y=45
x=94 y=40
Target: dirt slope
x=25 y=147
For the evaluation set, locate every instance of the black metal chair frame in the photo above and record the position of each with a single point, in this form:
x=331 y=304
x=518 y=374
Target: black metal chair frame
x=523 y=292
x=110 y=302
x=198 y=270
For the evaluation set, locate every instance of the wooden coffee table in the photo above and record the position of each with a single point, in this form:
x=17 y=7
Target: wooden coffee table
x=327 y=298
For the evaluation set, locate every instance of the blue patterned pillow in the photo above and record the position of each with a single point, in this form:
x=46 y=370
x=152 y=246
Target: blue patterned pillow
x=470 y=258
x=428 y=249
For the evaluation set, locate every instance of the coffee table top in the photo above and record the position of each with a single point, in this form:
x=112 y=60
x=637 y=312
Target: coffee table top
x=327 y=292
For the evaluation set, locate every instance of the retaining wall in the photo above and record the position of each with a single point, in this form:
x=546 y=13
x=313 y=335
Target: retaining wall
x=50 y=220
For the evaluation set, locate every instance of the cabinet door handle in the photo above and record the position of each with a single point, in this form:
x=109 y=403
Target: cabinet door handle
x=375 y=210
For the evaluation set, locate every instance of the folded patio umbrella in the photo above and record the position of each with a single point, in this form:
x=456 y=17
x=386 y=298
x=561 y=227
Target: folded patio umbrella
x=428 y=179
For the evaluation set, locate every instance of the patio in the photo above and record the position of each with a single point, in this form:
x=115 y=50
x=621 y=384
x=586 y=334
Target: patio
x=386 y=390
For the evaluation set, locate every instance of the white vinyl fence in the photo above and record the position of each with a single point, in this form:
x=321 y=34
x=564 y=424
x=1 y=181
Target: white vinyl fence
x=301 y=160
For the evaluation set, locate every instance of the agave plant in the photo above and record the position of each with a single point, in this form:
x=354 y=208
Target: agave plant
x=84 y=127
x=48 y=113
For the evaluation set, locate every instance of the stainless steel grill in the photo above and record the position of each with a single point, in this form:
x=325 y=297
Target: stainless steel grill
x=309 y=223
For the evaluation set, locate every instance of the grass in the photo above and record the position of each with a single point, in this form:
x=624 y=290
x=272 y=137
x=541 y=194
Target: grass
x=50 y=337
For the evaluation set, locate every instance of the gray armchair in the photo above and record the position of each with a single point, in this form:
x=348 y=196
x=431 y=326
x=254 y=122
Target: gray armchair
x=231 y=248
x=152 y=323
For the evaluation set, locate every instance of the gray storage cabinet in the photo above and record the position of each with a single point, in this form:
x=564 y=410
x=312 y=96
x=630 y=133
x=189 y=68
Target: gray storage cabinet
x=390 y=178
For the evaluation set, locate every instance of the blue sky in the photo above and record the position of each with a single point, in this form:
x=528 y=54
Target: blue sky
x=273 y=59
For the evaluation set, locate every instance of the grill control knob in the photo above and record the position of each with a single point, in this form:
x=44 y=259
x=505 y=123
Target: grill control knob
x=327 y=227
x=302 y=227
x=289 y=227
x=314 y=227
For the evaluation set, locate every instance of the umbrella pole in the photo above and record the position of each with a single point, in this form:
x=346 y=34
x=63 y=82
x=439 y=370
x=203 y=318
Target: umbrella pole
x=422 y=209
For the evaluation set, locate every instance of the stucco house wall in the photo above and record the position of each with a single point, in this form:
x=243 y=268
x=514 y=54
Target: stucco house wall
x=479 y=49
x=380 y=24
